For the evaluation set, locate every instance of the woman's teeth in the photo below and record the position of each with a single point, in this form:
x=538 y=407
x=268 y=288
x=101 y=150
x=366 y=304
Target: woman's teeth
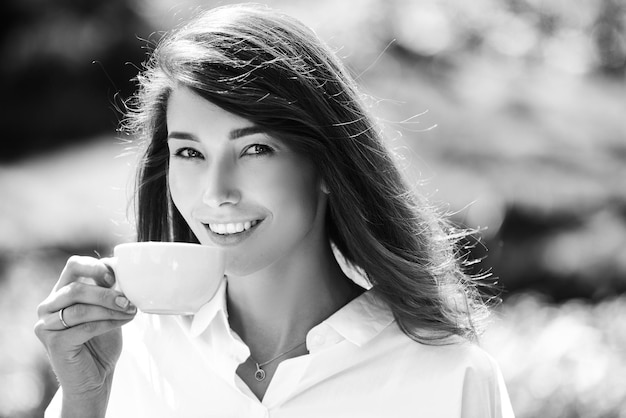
x=232 y=228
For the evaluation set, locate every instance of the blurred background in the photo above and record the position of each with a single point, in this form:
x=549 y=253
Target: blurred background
x=510 y=115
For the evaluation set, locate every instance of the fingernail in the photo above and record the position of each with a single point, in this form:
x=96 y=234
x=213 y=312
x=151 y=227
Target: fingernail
x=121 y=301
x=109 y=278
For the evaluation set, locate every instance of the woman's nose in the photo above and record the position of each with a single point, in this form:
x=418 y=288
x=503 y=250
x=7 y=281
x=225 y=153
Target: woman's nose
x=221 y=188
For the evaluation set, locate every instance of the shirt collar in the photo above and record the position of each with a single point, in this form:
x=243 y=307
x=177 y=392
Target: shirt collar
x=207 y=313
x=359 y=321
x=362 y=319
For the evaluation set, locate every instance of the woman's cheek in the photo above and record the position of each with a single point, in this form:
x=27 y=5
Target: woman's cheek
x=181 y=190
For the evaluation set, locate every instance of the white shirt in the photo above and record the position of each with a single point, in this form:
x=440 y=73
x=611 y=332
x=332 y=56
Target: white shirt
x=360 y=364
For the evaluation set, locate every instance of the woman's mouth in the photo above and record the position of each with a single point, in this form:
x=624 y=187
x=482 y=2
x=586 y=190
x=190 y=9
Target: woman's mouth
x=231 y=228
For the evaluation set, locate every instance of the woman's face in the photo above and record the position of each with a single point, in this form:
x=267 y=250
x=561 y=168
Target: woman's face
x=239 y=188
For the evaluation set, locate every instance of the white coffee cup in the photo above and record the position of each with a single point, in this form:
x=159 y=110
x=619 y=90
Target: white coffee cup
x=168 y=277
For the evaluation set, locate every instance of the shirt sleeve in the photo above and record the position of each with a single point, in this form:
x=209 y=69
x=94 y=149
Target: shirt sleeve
x=484 y=391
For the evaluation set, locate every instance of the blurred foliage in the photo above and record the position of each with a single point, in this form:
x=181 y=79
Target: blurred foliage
x=562 y=361
x=66 y=66
x=508 y=114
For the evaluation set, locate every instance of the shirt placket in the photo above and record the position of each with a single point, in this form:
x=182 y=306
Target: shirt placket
x=290 y=373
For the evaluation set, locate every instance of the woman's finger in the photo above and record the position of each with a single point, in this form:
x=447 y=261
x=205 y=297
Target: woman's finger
x=81 y=293
x=78 y=314
x=109 y=262
x=78 y=267
x=80 y=334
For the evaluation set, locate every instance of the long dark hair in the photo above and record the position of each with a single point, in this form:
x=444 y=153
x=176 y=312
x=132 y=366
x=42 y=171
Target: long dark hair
x=272 y=70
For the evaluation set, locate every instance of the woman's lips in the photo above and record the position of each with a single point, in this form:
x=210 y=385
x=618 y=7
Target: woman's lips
x=231 y=227
x=220 y=235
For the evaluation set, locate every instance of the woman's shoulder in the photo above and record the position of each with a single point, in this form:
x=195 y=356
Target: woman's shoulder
x=453 y=353
x=473 y=359
x=464 y=351
x=465 y=372
x=430 y=348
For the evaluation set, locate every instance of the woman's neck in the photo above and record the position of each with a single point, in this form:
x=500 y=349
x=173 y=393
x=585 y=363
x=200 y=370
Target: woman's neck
x=274 y=309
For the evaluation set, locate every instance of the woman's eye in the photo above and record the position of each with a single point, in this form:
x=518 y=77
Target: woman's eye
x=188 y=153
x=258 y=149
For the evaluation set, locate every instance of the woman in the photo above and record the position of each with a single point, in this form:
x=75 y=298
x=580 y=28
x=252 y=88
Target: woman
x=257 y=141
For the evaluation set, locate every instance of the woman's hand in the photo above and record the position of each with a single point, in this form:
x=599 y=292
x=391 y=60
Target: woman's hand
x=83 y=351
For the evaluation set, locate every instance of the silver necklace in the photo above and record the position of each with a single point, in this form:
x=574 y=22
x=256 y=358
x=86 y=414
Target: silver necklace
x=259 y=375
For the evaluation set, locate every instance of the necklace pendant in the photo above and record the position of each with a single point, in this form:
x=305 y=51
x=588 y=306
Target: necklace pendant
x=259 y=375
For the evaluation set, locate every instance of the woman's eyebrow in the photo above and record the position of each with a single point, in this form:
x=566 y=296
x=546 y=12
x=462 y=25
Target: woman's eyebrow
x=249 y=130
x=234 y=134
x=182 y=135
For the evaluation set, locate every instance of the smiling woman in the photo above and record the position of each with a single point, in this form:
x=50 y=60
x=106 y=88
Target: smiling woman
x=224 y=175
x=257 y=142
